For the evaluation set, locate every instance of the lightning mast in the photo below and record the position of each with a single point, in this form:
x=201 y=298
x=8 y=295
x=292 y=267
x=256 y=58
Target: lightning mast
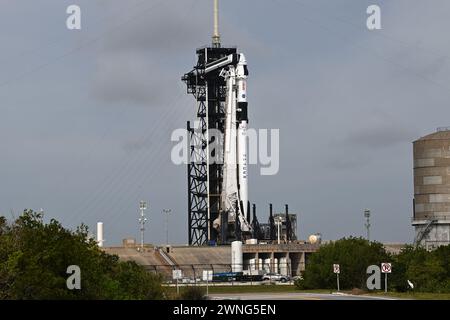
x=216 y=35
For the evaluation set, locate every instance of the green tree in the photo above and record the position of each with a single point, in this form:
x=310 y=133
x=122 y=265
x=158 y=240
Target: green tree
x=34 y=257
x=442 y=254
x=353 y=255
x=428 y=271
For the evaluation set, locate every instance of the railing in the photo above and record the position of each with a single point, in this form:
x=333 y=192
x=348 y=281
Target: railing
x=192 y=273
x=166 y=257
x=433 y=217
x=307 y=247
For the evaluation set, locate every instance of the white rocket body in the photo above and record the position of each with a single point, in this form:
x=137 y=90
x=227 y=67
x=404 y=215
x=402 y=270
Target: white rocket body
x=242 y=165
x=235 y=168
x=242 y=158
x=230 y=184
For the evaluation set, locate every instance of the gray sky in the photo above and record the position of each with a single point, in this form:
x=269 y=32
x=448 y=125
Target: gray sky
x=86 y=116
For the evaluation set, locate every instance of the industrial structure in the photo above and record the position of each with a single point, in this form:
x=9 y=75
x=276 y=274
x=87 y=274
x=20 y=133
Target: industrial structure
x=288 y=227
x=431 y=204
x=287 y=259
x=205 y=177
x=217 y=170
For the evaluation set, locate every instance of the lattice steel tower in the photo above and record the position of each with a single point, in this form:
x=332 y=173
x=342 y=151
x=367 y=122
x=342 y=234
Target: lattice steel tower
x=204 y=176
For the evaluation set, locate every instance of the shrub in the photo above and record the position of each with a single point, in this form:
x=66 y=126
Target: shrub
x=193 y=293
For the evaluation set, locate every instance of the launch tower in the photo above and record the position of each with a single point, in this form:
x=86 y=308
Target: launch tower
x=218 y=206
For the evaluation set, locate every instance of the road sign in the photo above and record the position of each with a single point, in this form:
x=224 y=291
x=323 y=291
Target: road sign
x=207 y=275
x=386 y=267
x=177 y=274
x=336 y=268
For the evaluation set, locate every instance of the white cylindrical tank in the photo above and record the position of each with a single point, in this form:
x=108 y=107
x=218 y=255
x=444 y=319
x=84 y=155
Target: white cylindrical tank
x=236 y=256
x=275 y=265
x=100 y=239
x=252 y=264
x=266 y=265
x=247 y=264
x=260 y=264
x=285 y=266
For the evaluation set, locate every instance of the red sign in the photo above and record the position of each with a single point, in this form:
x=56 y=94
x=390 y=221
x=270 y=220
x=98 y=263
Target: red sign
x=336 y=268
x=386 y=267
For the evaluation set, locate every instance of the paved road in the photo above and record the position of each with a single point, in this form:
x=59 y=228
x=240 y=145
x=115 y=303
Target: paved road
x=293 y=296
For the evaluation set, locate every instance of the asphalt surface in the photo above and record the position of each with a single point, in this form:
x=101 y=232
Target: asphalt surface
x=293 y=296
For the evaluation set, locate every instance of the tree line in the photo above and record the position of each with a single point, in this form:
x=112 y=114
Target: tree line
x=428 y=271
x=34 y=257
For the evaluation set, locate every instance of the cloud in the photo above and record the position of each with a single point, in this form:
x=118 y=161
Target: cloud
x=128 y=77
x=140 y=63
x=164 y=29
x=136 y=62
x=349 y=160
x=382 y=136
x=340 y=95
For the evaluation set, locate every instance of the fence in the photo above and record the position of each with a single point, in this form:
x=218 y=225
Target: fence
x=192 y=273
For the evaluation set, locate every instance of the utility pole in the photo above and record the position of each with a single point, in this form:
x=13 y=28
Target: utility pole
x=142 y=220
x=167 y=212
x=367 y=224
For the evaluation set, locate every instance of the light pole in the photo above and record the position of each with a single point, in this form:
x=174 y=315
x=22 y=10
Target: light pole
x=167 y=212
x=367 y=224
x=142 y=220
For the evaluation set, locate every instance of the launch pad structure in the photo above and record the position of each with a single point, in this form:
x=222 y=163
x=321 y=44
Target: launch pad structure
x=217 y=169
x=205 y=179
x=218 y=206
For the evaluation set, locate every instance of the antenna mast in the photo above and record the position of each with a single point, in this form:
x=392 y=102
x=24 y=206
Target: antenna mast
x=216 y=35
x=142 y=220
x=367 y=224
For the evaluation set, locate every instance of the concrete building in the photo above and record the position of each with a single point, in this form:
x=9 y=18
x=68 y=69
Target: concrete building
x=431 y=213
x=287 y=259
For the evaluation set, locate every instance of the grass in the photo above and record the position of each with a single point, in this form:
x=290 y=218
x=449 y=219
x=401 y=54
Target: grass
x=253 y=289
x=413 y=295
x=220 y=289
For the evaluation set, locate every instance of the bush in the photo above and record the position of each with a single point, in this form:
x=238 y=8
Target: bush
x=193 y=293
